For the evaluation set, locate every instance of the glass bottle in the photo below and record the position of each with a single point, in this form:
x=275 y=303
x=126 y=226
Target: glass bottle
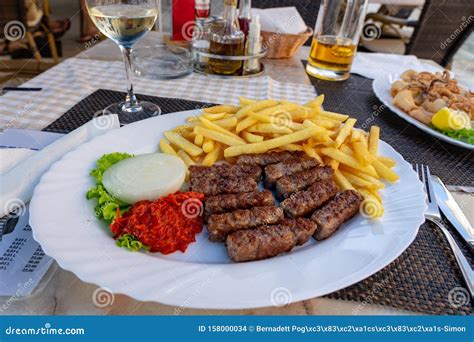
x=227 y=41
x=245 y=15
x=200 y=42
x=253 y=46
x=202 y=9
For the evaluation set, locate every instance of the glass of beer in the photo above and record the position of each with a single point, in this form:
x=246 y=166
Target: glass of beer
x=335 y=40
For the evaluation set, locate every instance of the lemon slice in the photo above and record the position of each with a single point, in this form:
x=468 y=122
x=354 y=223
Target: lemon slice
x=447 y=119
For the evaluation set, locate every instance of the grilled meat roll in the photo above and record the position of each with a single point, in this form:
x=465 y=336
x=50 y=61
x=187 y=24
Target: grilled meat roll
x=288 y=167
x=268 y=241
x=225 y=170
x=230 y=202
x=304 y=202
x=337 y=211
x=287 y=185
x=268 y=158
x=220 y=225
x=210 y=186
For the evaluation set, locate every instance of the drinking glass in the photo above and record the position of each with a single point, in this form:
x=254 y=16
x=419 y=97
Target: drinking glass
x=335 y=40
x=126 y=22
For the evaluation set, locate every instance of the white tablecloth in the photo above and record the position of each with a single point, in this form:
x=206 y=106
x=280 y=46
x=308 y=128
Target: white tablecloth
x=72 y=80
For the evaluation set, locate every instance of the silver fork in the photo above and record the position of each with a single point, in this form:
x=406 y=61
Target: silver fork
x=433 y=215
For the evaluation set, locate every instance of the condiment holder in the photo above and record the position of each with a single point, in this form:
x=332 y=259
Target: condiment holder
x=201 y=65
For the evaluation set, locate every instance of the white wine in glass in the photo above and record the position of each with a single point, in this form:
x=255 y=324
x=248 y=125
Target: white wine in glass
x=126 y=22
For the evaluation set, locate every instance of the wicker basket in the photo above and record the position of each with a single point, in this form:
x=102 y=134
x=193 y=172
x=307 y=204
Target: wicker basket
x=284 y=45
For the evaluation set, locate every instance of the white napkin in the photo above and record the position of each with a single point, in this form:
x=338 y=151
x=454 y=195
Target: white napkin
x=17 y=184
x=11 y=157
x=372 y=65
x=281 y=19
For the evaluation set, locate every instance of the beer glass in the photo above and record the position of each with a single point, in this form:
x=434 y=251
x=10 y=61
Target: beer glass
x=335 y=40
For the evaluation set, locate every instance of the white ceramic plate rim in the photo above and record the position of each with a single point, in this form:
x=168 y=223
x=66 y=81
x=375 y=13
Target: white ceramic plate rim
x=141 y=272
x=381 y=87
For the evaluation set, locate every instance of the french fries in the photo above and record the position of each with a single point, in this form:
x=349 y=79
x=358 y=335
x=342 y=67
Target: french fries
x=217 y=136
x=252 y=138
x=344 y=132
x=165 y=147
x=224 y=132
x=182 y=143
x=222 y=109
x=374 y=140
x=212 y=156
x=255 y=107
x=270 y=144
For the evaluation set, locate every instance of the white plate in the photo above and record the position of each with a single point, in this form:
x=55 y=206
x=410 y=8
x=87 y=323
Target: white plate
x=203 y=277
x=381 y=87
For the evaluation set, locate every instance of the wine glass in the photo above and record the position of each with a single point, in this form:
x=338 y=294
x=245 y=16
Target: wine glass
x=126 y=22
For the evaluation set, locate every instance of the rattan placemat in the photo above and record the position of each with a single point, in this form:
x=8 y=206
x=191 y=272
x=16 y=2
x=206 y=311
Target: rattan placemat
x=425 y=278
x=93 y=104
x=454 y=165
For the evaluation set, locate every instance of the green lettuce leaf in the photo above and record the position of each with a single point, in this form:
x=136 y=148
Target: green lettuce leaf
x=106 y=208
x=130 y=242
x=465 y=134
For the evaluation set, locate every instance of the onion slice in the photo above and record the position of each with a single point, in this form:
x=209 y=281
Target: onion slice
x=144 y=177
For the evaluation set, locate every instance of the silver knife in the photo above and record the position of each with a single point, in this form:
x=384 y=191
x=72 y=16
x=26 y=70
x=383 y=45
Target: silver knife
x=452 y=211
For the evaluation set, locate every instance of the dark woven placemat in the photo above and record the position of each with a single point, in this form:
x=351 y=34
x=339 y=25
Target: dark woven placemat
x=83 y=111
x=454 y=165
x=421 y=279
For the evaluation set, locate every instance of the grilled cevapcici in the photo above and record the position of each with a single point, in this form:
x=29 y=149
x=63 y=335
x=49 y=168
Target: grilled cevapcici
x=335 y=212
x=220 y=225
x=229 y=202
x=268 y=158
x=224 y=171
x=304 y=202
x=269 y=241
x=287 y=185
x=288 y=167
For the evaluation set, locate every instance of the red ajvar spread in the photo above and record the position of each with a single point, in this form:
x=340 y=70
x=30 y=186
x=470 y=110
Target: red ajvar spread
x=165 y=225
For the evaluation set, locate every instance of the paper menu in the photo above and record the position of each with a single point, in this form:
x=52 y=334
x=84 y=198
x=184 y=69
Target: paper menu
x=22 y=260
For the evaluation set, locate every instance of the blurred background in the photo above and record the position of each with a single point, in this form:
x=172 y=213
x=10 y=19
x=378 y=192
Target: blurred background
x=395 y=24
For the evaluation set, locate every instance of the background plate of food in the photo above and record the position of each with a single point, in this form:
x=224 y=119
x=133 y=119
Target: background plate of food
x=432 y=100
x=277 y=202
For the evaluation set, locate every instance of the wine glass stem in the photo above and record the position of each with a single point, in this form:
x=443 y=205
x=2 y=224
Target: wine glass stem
x=131 y=100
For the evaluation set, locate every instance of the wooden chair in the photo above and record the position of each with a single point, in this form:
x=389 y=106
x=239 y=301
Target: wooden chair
x=13 y=19
x=13 y=25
